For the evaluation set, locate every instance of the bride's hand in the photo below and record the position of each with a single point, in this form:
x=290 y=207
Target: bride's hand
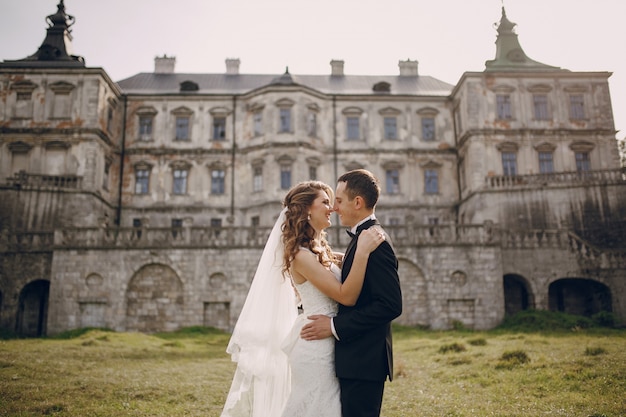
x=370 y=239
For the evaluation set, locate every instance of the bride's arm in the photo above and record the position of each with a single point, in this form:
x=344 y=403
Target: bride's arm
x=308 y=267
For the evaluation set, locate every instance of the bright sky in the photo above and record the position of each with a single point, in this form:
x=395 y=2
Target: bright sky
x=447 y=37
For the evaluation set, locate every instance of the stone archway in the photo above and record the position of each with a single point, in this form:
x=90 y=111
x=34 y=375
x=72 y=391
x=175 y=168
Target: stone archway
x=580 y=296
x=517 y=296
x=154 y=300
x=415 y=309
x=32 y=309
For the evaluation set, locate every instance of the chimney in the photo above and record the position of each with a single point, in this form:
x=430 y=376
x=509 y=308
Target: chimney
x=232 y=66
x=164 y=64
x=336 y=67
x=408 y=68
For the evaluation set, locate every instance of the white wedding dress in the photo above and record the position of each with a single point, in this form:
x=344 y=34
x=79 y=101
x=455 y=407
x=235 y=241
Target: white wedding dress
x=314 y=385
x=277 y=372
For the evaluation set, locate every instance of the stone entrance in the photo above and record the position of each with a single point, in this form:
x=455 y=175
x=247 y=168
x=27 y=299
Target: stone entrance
x=155 y=300
x=32 y=310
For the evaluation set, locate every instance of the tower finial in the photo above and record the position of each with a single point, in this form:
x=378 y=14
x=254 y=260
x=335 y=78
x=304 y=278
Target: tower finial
x=56 y=49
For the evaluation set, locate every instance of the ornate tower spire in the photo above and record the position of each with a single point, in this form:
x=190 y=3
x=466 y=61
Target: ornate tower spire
x=56 y=49
x=509 y=53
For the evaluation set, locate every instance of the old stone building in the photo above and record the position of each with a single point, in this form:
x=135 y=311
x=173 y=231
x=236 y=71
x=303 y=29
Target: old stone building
x=143 y=204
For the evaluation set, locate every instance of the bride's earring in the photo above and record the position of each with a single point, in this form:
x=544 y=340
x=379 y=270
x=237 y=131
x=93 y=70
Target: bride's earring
x=309 y=217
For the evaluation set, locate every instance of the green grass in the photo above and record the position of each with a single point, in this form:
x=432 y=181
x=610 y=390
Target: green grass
x=580 y=372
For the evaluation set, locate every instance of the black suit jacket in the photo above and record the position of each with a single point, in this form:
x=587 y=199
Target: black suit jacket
x=364 y=348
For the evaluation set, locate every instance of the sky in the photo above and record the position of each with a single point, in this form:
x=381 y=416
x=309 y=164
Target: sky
x=446 y=37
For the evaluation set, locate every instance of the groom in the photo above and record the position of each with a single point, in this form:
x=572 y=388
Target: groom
x=363 y=354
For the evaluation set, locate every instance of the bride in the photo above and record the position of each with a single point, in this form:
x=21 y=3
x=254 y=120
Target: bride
x=278 y=373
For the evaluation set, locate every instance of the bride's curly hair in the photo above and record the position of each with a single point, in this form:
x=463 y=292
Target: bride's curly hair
x=296 y=230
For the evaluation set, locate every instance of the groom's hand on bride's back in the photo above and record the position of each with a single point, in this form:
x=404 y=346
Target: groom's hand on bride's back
x=318 y=328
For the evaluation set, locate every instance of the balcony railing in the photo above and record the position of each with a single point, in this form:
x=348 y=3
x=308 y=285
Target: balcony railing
x=554 y=178
x=406 y=236
x=24 y=180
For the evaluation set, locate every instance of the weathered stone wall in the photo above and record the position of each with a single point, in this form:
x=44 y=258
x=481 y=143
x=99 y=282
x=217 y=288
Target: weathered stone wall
x=96 y=287
x=446 y=284
x=17 y=269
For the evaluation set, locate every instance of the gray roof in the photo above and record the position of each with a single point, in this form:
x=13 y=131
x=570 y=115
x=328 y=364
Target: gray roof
x=158 y=83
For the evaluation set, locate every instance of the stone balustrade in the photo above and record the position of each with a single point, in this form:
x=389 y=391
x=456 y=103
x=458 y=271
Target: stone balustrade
x=26 y=241
x=255 y=237
x=26 y=180
x=609 y=176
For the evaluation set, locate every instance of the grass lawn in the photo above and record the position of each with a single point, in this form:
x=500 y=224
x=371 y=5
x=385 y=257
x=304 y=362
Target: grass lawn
x=456 y=373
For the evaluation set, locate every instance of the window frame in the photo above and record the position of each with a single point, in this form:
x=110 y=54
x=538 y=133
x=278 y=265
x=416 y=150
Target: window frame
x=392 y=181
x=390 y=127
x=577 y=106
x=509 y=163
x=428 y=136
x=504 y=109
x=353 y=127
x=285 y=176
x=541 y=109
x=218 y=128
x=218 y=181
x=431 y=181
x=179 y=180
x=142 y=178
x=546 y=161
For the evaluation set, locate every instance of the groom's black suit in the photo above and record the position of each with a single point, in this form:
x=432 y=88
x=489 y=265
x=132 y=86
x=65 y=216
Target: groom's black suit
x=363 y=351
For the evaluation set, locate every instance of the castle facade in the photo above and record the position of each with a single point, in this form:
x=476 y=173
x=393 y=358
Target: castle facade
x=144 y=204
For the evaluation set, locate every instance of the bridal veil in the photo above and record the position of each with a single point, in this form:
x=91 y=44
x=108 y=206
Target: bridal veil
x=261 y=384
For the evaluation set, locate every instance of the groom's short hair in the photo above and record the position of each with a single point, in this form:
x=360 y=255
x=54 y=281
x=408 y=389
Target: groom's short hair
x=362 y=183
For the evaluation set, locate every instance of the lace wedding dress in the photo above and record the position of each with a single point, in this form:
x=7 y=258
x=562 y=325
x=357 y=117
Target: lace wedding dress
x=314 y=386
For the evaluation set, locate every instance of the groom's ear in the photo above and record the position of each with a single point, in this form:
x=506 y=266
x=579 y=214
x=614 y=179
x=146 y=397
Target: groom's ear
x=359 y=203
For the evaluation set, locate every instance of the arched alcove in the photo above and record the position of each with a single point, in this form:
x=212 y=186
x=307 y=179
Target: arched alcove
x=154 y=300
x=517 y=295
x=32 y=309
x=580 y=296
x=414 y=295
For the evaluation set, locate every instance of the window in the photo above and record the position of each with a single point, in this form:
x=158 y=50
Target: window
x=145 y=127
x=285 y=177
x=105 y=177
x=433 y=221
x=353 y=128
x=180 y=181
x=142 y=181
x=109 y=119
x=540 y=105
x=137 y=225
x=216 y=223
x=255 y=221
x=431 y=181
x=219 y=128
x=546 y=162
x=258 y=123
x=285 y=120
x=62 y=101
x=576 y=107
x=182 y=128
x=428 y=128
x=177 y=225
x=583 y=164
x=503 y=104
x=257 y=179
x=393 y=181
x=312 y=172
x=218 y=185
x=23 y=105
x=312 y=124
x=391 y=128
x=509 y=163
